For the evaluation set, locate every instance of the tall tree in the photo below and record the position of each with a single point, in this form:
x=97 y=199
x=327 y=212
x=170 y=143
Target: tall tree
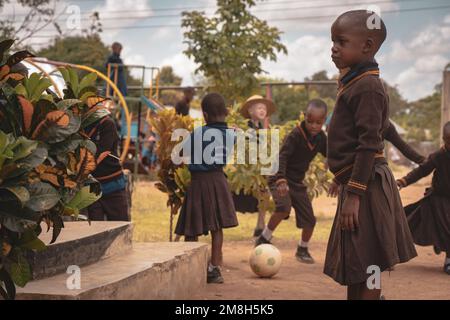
x=230 y=46
x=168 y=78
x=39 y=14
x=89 y=50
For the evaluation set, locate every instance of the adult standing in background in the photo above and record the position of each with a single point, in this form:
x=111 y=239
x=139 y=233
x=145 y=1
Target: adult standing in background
x=182 y=107
x=115 y=58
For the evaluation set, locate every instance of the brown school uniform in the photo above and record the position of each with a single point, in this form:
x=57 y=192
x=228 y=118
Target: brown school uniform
x=114 y=205
x=393 y=137
x=296 y=154
x=246 y=203
x=355 y=156
x=429 y=218
x=207 y=205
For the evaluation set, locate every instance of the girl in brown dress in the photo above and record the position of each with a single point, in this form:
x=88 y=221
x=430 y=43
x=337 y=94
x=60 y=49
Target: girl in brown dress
x=429 y=218
x=208 y=206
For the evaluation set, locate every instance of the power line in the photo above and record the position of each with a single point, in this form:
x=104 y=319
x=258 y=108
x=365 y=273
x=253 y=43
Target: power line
x=259 y=4
x=253 y=11
x=317 y=17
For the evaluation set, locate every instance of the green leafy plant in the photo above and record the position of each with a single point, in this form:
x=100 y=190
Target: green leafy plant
x=45 y=163
x=230 y=46
x=173 y=179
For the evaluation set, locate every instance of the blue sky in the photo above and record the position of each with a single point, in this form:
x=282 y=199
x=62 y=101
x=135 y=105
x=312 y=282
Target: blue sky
x=413 y=57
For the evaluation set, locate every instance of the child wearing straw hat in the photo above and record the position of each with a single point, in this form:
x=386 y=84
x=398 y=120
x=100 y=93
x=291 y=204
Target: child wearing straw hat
x=257 y=110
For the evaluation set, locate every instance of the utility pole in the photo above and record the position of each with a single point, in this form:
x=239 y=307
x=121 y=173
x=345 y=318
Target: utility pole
x=445 y=105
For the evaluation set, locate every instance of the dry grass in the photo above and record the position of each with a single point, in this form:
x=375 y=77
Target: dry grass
x=151 y=219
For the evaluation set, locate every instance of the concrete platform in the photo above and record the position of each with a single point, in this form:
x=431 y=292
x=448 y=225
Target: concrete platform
x=80 y=244
x=147 y=271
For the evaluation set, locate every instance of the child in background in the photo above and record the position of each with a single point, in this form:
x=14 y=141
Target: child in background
x=299 y=149
x=429 y=218
x=257 y=110
x=208 y=206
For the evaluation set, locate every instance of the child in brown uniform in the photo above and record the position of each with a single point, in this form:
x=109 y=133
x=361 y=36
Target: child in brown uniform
x=208 y=206
x=429 y=218
x=299 y=149
x=370 y=228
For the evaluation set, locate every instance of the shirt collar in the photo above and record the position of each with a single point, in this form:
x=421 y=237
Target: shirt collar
x=358 y=70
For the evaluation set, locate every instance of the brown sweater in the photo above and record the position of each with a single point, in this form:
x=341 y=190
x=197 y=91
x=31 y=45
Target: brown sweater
x=297 y=152
x=393 y=137
x=355 y=136
x=104 y=134
x=439 y=162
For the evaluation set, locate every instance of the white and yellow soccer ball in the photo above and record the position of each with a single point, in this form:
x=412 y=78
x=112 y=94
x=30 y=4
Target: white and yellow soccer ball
x=265 y=260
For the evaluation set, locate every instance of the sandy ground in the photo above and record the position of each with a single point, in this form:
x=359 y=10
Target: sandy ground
x=421 y=278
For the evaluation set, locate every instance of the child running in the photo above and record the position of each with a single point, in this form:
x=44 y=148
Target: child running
x=299 y=148
x=429 y=218
x=208 y=206
x=370 y=227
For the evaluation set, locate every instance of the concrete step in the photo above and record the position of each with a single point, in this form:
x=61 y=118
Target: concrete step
x=80 y=244
x=149 y=271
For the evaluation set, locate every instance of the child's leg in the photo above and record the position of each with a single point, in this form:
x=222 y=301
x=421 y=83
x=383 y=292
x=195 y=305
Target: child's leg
x=261 y=223
x=275 y=220
x=447 y=263
x=190 y=239
x=216 y=247
x=307 y=234
x=368 y=294
x=353 y=292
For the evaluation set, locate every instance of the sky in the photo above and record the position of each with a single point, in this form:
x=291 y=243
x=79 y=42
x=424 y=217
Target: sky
x=413 y=57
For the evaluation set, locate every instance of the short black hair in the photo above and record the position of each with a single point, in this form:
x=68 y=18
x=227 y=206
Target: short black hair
x=358 y=20
x=117 y=44
x=213 y=104
x=189 y=90
x=317 y=103
x=446 y=129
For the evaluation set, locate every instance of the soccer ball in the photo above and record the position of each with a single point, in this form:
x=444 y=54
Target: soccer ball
x=265 y=260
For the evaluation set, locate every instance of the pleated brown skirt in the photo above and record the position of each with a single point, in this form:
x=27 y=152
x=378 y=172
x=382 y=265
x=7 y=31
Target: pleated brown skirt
x=207 y=206
x=383 y=238
x=429 y=221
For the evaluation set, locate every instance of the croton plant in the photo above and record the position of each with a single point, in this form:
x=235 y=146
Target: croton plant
x=45 y=160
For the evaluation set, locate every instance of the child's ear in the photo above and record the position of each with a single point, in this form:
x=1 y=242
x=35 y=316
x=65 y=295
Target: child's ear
x=369 y=45
x=205 y=116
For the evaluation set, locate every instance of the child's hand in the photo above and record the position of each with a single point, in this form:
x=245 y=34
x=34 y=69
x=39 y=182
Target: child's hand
x=333 y=190
x=349 y=214
x=283 y=189
x=400 y=184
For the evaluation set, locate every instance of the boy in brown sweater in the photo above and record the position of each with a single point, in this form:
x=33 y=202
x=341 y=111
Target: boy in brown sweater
x=370 y=230
x=299 y=148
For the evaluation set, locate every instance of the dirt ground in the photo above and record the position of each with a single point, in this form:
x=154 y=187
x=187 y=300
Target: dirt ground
x=421 y=278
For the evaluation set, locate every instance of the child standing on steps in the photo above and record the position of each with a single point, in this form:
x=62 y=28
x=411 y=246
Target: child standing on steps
x=429 y=218
x=299 y=148
x=370 y=227
x=208 y=206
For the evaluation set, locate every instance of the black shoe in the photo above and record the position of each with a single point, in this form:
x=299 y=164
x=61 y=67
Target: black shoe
x=257 y=232
x=303 y=255
x=214 y=276
x=437 y=250
x=261 y=240
x=447 y=268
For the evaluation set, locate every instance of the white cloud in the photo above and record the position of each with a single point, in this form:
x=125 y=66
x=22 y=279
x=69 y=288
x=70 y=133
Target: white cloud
x=420 y=79
x=426 y=55
x=115 y=9
x=306 y=55
x=182 y=66
x=318 y=15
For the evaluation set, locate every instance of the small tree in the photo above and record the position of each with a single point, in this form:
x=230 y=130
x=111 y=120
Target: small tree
x=230 y=46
